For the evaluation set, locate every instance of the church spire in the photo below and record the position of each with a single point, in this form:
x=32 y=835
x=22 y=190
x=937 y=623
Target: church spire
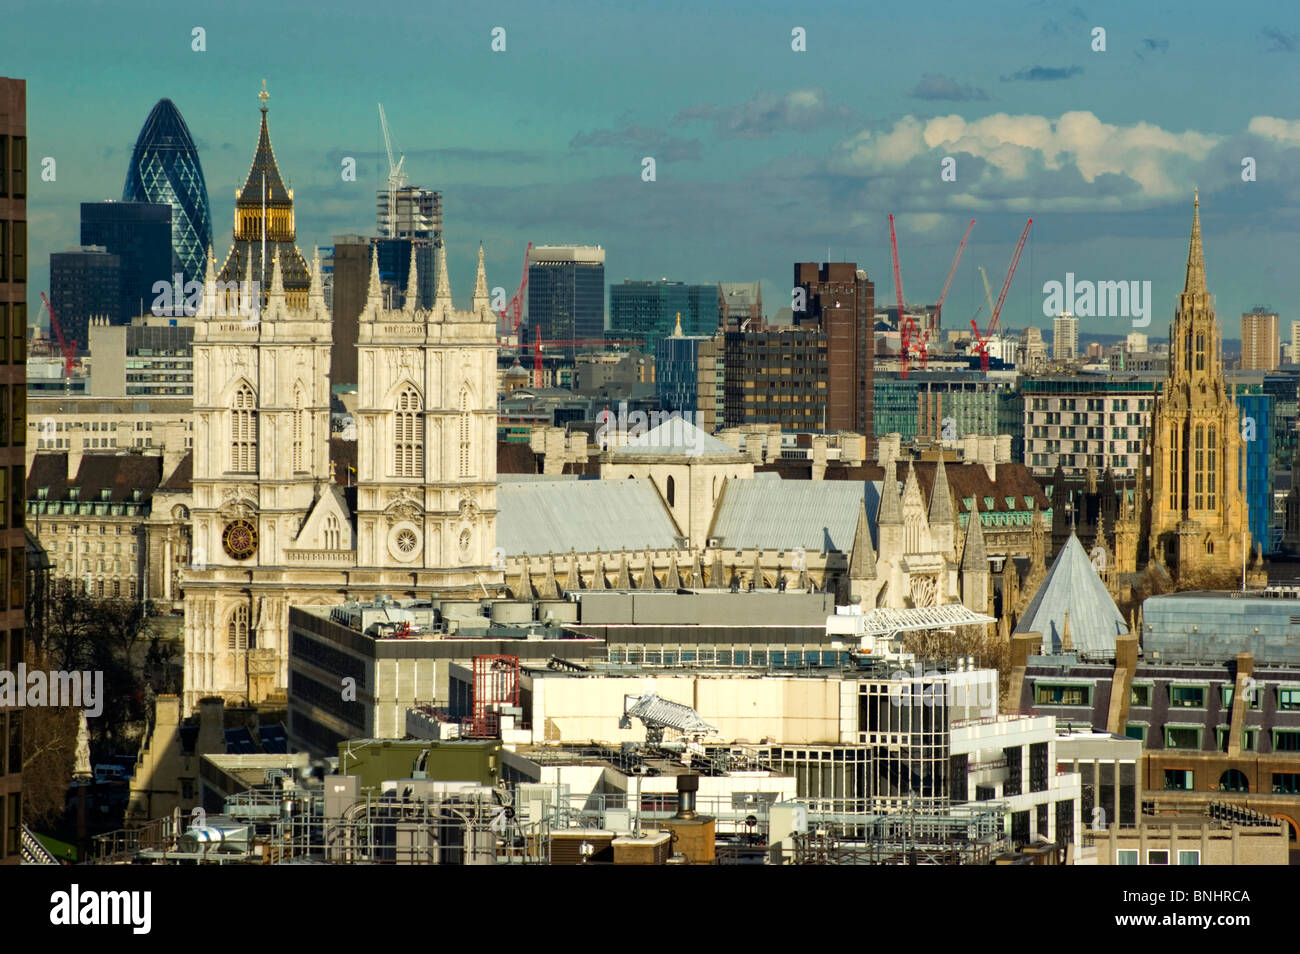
x=412 y=286
x=480 y=303
x=1195 y=253
x=374 y=294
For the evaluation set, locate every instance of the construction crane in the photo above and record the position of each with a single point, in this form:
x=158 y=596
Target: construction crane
x=513 y=312
x=982 y=340
x=396 y=177
x=943 y=295
x=573 y=343
x=905 y=324
x=69 y=349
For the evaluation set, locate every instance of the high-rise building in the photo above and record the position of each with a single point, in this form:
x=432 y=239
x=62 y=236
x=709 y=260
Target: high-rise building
x=652 y=310
x=841 y=301
x=85 y=283
x=566 y=294
x=777 y=376
x=165 y=168
x=264 y=220
x=13 y=425
x=1197 y=507
x=738 y=303
x=1260 y=347
x=677 y=372
x=140 y=234
x=1087 y=422
x=1065 y=337
x=410 y=212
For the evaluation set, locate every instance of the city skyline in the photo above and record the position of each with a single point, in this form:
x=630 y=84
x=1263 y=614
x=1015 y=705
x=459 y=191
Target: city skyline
x=1105 y=175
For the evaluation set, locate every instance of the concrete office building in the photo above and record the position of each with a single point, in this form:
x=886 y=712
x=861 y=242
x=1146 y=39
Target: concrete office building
x=85 y=283
x=150 y=357
x=1082 y=422
x=1260 y=347
x=1065 y=337
x=140 y=234
x=566 y=294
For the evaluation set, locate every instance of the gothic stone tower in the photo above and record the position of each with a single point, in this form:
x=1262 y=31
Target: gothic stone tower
x=1198 y=507
x=271 y=529
x=264 y=220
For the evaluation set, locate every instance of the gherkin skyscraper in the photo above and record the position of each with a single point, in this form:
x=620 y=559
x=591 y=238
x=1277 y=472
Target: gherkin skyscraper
x=165 y=168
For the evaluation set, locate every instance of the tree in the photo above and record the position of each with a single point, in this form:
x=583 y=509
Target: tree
x=49 y=747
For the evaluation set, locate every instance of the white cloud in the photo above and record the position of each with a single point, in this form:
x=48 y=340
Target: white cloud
x=1018 y=147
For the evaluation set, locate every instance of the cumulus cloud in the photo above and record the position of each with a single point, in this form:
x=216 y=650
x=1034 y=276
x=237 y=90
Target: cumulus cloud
x=937 y=86
x=1075 y=153
x=768 y=114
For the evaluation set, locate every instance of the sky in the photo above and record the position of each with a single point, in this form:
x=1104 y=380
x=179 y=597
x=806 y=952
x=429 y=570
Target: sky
x=763 y=155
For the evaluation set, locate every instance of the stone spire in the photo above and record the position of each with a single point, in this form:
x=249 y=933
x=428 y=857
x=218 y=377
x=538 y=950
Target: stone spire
x=941 y=497
x=862 y=563
x=756 y=575
x=624 y=577
x=316 y=293
x=1067 y=644
x=572 y=578
x=374 y=292
x=974 y=557
x=1195 y=253
x=697 y=569
x=673 y=580
x=442 y=303
x=525 y=590
x=891 y=510
x=717 y=572
x=275 y=300
x=1037 y=543
x=210 y=286
x=549 y=589
x=481 y=299
x=598 y=573
x=648 y=576
x=412 y=286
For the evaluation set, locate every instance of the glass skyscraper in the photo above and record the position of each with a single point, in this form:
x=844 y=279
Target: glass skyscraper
x=566 y=294
x=165 y=168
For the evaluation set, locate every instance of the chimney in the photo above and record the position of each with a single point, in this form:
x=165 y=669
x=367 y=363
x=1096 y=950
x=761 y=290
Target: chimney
x=687 y=786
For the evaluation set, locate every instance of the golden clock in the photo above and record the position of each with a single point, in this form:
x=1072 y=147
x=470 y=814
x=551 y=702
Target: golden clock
x=239 y=539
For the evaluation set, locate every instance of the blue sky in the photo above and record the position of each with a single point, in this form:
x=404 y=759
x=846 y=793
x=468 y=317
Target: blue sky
x=764 y=156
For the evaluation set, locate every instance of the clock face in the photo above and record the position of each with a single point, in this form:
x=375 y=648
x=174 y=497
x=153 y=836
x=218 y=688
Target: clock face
x=239 y=539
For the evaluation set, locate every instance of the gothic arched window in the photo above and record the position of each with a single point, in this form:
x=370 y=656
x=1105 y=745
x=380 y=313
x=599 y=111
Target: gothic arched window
x=332 y=533
x=1198 y=469
x=299 y=430
x=408 y=437
x=237 y=631
x=1200 y=352
x=465 y=430
x=243 y=431
x=1211 y=470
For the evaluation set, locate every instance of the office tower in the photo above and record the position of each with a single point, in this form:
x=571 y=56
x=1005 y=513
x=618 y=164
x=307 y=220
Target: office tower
x=776 y=376
x=677 y=372
x=1259 y=340
x=13 y=424
x=1295 y=342
x=1065 y=337
x=85 y=283
x=165 y=168
x=740 y=302
x=264 y=219
x=841 y=301
x=649 y=310
x=566 y=294
x=140 y=234
x=410 y=212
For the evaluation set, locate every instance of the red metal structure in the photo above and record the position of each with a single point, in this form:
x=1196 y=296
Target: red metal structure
x=906 y=327
x=496 y=684
x=538 y=344
x=69 y=350
x=982 y=340
x=938 y=305
x=513 y=313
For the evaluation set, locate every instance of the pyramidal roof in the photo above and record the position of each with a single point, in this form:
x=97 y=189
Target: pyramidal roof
x=264 y=165
x=1072 y=585
x=675 y=437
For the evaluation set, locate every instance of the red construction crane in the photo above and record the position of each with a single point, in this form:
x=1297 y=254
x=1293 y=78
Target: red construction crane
x=513 y=312
x=982 y=340
x=938 y=305
x=69 y=349
x=905 y=325
x=572 y=343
